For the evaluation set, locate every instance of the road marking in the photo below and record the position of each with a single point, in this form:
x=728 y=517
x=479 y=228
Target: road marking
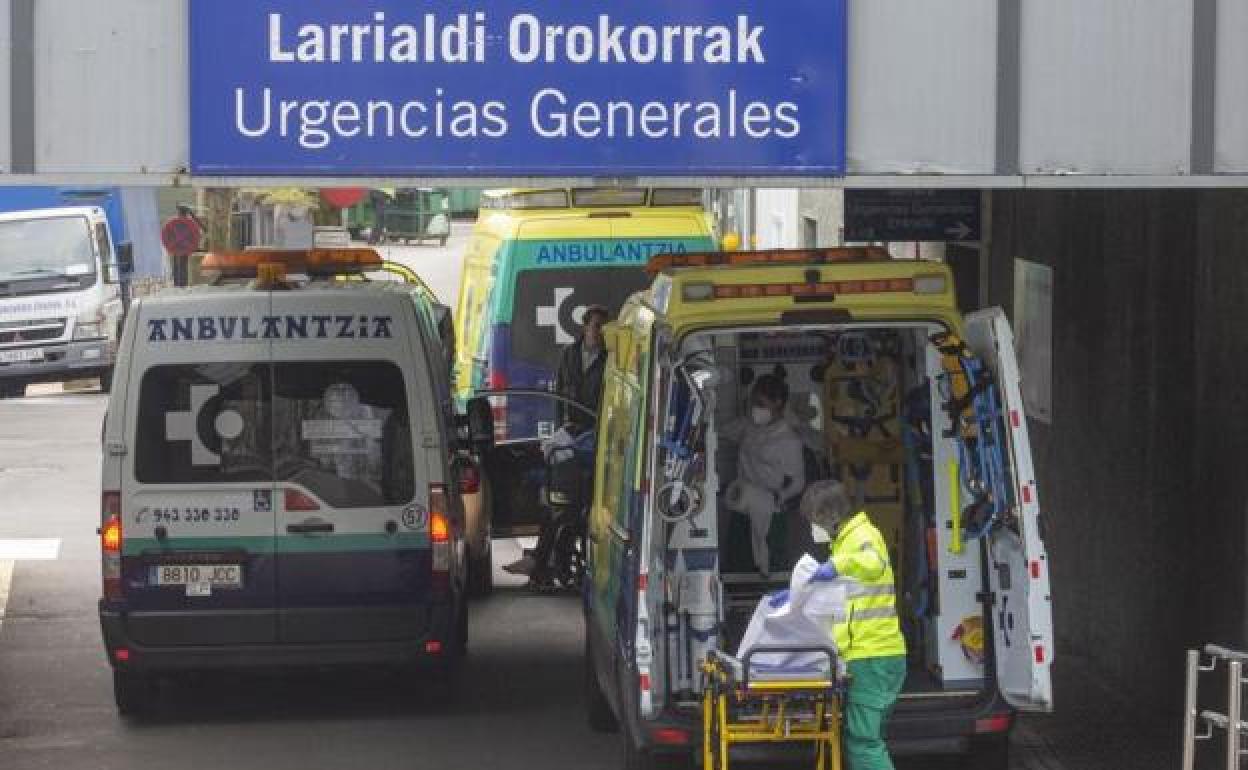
x=30 y=549
x=6 y=575
x=54 y=400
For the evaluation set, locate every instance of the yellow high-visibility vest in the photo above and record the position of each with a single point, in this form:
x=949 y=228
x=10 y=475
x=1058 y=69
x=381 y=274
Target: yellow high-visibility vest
x=870 y=627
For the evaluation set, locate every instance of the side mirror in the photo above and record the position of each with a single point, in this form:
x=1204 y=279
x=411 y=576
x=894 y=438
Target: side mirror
x=125 y=257
x=480 y=423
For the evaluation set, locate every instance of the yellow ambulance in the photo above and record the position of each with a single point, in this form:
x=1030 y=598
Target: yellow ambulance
x=892 y=391
x=537 y=258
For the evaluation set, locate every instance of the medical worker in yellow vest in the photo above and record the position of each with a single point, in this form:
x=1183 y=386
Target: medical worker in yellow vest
x=869 y=636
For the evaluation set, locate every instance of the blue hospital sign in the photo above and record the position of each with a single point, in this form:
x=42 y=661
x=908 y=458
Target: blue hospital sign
x=505 y=87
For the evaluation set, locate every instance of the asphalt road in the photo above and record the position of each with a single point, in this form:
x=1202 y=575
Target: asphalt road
x=519 y=706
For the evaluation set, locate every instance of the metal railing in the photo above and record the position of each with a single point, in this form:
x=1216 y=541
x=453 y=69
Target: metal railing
x=1207 y=721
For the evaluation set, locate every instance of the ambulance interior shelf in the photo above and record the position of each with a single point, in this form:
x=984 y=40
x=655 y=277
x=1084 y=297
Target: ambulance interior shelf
x=862 y=401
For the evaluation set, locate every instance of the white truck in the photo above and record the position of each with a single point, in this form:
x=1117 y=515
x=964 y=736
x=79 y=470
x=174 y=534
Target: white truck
x=63 y=296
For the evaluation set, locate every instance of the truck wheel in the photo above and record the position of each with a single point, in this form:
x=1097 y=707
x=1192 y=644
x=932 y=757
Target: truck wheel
x=134 y=694
x=106 y=380
x=481 y=572
x=601 y=717
x=990 y=753
x=12 y=389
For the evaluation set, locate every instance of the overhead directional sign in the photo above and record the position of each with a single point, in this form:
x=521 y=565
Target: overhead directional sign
x=517 y=87
x=912 y=215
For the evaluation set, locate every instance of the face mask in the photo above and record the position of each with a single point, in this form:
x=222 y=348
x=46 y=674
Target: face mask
x=761 y=415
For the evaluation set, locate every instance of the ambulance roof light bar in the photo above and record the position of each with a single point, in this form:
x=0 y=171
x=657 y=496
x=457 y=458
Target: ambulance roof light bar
x=311 y=262
x=770 y=257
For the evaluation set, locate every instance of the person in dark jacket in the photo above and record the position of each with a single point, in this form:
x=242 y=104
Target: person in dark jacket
x=580 y=370
x=579 y=378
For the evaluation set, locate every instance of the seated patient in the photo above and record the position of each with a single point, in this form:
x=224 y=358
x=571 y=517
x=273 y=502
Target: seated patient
x=771 y=469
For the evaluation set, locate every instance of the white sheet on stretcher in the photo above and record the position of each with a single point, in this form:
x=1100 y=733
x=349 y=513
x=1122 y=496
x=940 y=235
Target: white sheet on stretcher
x=802 y=616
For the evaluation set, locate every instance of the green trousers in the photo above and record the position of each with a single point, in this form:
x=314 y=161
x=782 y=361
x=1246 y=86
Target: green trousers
x=873 y=689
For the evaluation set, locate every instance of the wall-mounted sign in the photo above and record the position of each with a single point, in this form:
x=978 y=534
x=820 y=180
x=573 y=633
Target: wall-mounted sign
x=912 y=215
x=505 y=87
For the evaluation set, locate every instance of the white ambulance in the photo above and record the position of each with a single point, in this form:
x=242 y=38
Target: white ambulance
x=277 y=476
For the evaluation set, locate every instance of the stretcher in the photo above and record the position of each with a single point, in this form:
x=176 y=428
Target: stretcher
x=746 y=702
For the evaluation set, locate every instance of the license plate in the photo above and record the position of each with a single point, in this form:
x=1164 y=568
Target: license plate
x=19 y=356
x=198 y=576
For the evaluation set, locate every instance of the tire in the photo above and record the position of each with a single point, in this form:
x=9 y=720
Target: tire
x=644 y=759
x=461 y=634
x=481 y=572
x=636 y=758
x=12 y=389
x=106 y=380
x=598 y=709
x=569 y=570
x=989 y=753
x=134 y=694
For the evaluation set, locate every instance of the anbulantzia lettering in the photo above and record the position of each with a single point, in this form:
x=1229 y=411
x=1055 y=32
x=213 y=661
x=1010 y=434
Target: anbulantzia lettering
x=436 y=111
x=235 y=328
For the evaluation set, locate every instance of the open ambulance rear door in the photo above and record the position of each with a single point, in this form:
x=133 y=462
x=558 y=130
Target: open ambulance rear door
x=1022 y=616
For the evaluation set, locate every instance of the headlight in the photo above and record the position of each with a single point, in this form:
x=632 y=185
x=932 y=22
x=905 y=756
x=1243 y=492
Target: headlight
x=88 y=331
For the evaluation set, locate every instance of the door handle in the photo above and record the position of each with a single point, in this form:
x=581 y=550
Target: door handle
x=310 y=527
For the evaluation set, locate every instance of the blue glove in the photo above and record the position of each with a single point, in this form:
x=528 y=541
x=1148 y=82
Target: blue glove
x=778 y=599
x=825 y=573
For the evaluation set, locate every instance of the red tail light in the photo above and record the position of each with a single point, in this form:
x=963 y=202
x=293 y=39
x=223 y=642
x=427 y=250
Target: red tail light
x=439 y=538
x=110 y=544
x=469 y=479
x=670 y=736
x=994 y=724
x=298 y=501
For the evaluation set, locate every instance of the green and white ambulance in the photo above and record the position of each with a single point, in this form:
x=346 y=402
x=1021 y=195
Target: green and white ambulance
x=277 y=476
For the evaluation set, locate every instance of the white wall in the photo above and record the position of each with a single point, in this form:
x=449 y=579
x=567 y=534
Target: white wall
x=922 y=95
x=776 y=219
x=1106 y=86
x=6 y=141
x=1231 y=110
x=110 y=86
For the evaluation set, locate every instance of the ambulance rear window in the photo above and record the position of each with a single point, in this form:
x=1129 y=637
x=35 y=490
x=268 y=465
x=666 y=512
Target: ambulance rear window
x=338 y=429
x=341 y=430
x=549 y=305
x=204 y=423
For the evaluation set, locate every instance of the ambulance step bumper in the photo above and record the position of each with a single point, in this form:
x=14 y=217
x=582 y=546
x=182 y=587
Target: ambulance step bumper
x=190 y=657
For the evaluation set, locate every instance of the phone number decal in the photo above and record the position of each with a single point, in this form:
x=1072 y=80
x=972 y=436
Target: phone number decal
x=190 y=515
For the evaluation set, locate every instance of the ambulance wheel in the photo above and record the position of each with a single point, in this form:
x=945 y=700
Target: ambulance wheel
x=990 y=753
x=569 y=568
x=601 y=717
x=481 y=572
x=638 y=758
x=461 y=632
x=12 y=389
x=134 y=694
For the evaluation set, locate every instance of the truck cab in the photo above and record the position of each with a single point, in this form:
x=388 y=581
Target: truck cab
x=62 y=298
x=874 y=356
